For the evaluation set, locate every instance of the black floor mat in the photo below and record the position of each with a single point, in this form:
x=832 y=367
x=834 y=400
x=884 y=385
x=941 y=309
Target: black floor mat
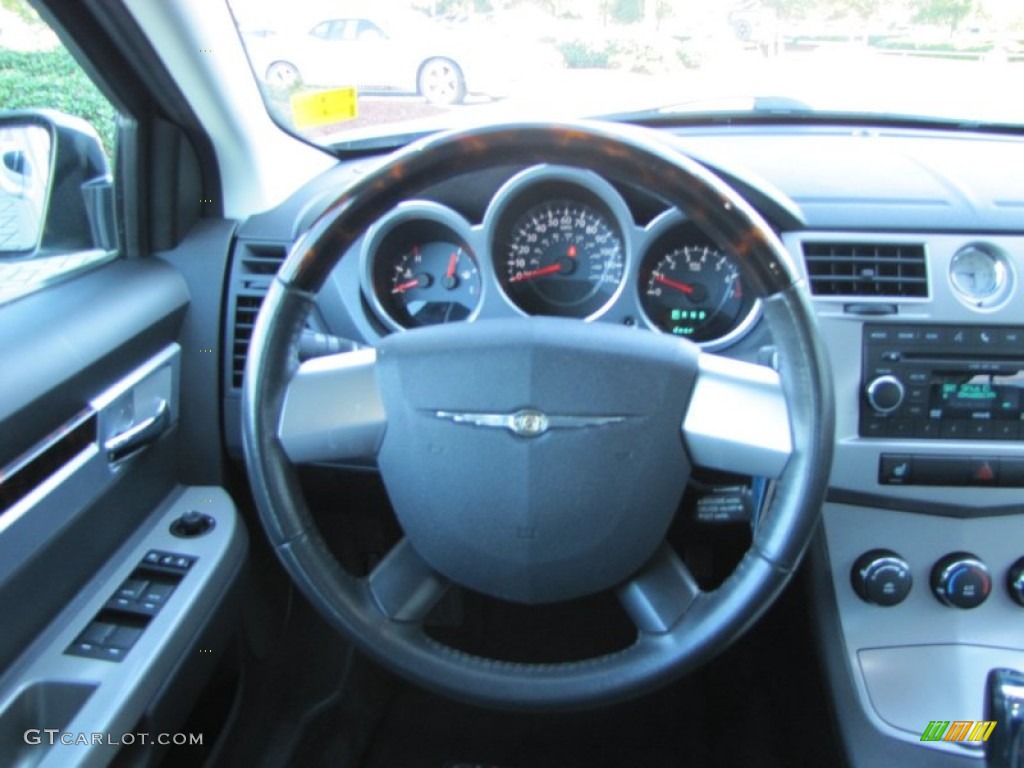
x=666 y=730
x=762 y=704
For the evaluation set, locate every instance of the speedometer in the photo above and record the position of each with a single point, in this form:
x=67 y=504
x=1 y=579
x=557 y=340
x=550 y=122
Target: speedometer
x=562 y=257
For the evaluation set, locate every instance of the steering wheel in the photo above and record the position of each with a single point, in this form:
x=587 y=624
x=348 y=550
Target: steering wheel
x=540 y=459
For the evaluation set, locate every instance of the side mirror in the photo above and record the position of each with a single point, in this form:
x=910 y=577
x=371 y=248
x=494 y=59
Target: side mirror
x=56 y=189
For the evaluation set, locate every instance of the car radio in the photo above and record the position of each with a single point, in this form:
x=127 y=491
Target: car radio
x=948 y=382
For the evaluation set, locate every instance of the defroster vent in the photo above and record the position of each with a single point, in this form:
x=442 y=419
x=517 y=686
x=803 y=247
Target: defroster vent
x=866 y=269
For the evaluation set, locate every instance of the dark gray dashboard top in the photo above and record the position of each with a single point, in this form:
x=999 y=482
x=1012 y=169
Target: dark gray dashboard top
x=830 y=177
x=865 y=178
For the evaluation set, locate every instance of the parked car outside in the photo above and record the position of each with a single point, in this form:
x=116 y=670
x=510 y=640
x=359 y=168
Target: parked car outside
x=406 y=53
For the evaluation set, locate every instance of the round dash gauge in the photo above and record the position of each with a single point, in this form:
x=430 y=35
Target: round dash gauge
x=424 y=273
x=694 y=290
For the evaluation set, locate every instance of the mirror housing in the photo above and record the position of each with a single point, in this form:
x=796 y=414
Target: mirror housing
x=56 y=187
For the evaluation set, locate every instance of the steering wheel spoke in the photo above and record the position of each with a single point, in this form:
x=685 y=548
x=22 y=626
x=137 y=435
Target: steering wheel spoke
x=738 y=419
x=332 y=411
x=404 y=587
x=659 y=595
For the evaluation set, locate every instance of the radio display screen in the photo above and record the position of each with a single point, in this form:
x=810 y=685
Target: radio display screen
x=978 y=395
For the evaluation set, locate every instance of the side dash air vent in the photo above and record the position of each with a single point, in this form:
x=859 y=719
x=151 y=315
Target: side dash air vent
x=255 y=264
x=246 y=309
x=866 y=269
x=262 y=258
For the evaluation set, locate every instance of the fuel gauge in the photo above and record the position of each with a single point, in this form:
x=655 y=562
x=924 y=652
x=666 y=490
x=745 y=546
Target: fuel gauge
x=433 y=282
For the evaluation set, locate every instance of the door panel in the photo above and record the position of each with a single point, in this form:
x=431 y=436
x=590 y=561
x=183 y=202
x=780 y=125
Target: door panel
x=85 y=361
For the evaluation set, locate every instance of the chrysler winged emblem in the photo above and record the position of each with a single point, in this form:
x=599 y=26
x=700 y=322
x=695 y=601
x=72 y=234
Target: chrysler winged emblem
x=527 y=422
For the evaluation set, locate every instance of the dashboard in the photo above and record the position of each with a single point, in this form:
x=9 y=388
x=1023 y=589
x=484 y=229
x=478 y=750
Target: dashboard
x=554 y=241
x=910 y=243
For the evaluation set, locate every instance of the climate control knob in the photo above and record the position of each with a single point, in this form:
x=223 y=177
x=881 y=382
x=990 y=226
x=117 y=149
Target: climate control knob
x=881 y=577
x=1015 y=581
x=885 y=394
x=961 y=580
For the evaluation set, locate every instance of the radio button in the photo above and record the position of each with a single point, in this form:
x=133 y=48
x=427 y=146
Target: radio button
x=928 y=429
x=1012 y=338
x=919 y=377
x=954 y=430
x=901 y=428
x=878 y=334
x=917 y=394
x=1005 y=430
x=932 y=336
x=885 y=394
x=979 y=430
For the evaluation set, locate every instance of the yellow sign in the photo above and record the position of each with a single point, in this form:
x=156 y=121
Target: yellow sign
x=312 y=110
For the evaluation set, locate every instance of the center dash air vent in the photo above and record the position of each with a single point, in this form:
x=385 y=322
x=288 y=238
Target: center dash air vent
x=866 y=269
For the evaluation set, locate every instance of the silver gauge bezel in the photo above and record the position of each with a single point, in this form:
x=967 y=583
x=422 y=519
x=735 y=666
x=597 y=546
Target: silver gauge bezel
x=405 y=214
x=660 y=227
x=532 y=181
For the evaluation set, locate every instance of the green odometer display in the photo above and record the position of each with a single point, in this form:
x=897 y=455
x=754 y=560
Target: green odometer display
x=694 y=291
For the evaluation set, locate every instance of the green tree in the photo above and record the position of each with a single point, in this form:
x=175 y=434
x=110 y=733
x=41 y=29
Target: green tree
x=790 y=9
x=626 y=11
x=947 y=12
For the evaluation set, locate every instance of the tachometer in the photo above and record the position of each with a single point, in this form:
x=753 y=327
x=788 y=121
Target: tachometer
x=561 y=257
x=695 y=291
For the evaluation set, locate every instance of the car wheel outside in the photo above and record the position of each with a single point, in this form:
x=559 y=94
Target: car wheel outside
x=441 y=82
x=283 y=74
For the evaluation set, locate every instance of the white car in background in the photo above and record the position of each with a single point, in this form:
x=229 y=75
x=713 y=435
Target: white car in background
x=406 y=54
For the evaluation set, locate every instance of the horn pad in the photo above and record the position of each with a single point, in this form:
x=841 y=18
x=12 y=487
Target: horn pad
x=537 y=459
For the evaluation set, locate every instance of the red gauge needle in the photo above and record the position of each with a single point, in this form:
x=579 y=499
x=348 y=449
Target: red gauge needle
x=452 y=263
x=548 y=270
x=687 y=289
x=407 y=285
x=571 y=253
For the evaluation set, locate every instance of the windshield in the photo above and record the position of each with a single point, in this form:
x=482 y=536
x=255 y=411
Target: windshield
x=350 y=73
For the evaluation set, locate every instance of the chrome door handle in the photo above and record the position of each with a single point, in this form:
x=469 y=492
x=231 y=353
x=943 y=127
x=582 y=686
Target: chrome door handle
x=124 y=444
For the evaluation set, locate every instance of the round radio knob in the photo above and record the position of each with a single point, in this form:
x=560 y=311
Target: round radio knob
x=881 y=577
x=1015 y=581
x=961 y=580
x=885 y=394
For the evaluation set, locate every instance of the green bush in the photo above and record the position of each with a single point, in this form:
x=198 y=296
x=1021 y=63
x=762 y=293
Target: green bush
x=54 y=80
x=587 y=54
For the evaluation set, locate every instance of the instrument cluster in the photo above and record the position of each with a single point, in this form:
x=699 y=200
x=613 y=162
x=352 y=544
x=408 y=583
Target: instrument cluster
x=560 y=242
